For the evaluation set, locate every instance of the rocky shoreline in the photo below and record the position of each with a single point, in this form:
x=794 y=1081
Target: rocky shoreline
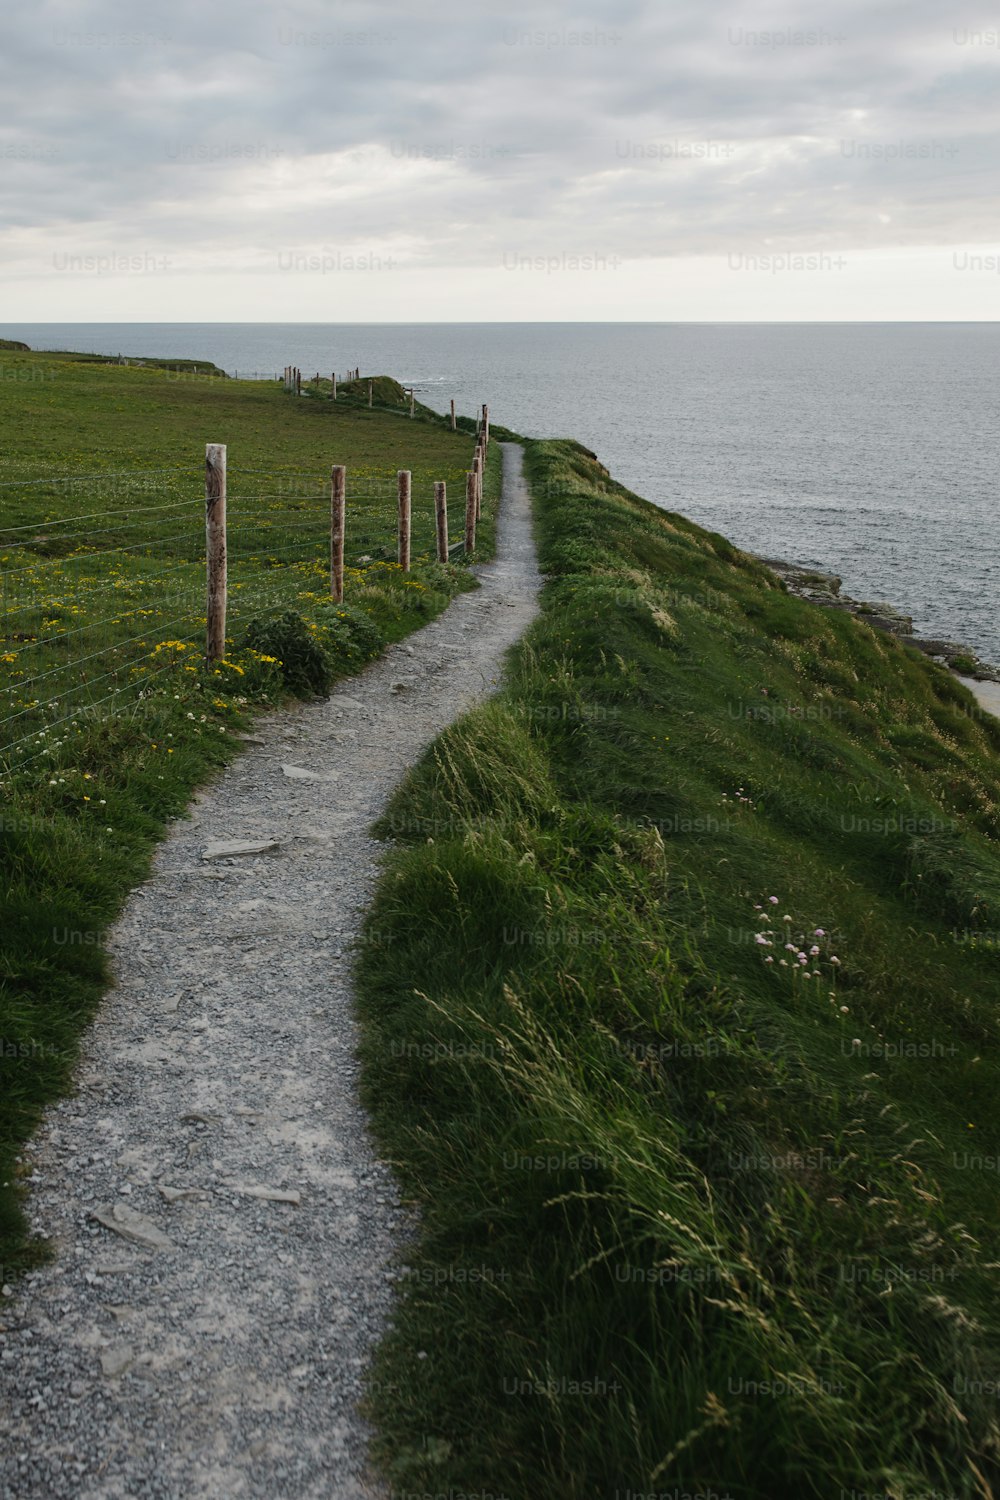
x=825 y=589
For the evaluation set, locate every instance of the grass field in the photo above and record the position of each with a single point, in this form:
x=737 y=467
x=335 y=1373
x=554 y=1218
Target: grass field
x=102 y=532
x=108 y=716
x=687 y=1042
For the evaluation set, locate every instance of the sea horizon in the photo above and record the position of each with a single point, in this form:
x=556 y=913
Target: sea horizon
x=856 y=447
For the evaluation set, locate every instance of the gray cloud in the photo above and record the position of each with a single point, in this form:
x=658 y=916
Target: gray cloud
x=223 y=136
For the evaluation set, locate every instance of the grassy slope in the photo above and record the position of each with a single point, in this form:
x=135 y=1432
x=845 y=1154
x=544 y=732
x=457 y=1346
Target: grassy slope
x=66 y=416
x=79 y=822
x=693 y=1221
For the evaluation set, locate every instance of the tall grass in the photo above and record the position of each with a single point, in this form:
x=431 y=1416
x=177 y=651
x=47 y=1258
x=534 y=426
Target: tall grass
x=693 y=1221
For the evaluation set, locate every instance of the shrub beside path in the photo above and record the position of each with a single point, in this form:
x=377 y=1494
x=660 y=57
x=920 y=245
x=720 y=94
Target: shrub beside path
x=225 y=1235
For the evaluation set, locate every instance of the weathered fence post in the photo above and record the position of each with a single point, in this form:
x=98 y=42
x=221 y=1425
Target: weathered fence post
x=441 y=517
x=371 y=387
x=338 y=501
x=470 y=511
x=215 y=548
x=404 y=481
x=482 y=477
x=298 y=382
x=477 y=470
x=453 y=416
x=486 y=424
x=333 y=384
x=412 y=402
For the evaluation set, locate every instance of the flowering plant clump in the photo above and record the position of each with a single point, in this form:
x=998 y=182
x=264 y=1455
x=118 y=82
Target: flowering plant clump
x=349 y=635
x=262 y=678
x=740 y=795
x=171 y=646
x=305 y=665
x=804 y=950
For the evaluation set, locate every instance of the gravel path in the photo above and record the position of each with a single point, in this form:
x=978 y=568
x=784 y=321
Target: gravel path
x=225 y=1233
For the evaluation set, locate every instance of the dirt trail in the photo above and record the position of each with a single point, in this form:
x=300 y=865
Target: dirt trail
x=224 y=1229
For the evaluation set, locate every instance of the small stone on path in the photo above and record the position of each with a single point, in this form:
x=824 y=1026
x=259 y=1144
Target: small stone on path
x=269 y=1195
x=299 y=773
x=132 y=1226
x=227 y=848
x=116 y=1361
x=178 y=1195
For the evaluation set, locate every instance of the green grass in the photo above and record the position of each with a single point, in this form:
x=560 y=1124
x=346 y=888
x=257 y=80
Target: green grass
x=691 y=1221
x=102 y=543
x=109 y=717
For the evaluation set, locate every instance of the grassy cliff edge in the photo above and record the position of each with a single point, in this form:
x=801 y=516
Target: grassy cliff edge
x=682 y=1029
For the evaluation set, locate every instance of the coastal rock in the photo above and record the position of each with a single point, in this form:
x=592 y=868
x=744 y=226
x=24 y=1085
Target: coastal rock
x=884 y=617
x=808 y=583
x=956 y=656
x=823 y=589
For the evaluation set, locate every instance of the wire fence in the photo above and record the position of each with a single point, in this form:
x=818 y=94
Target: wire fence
x=97 y=606
x=355 y=390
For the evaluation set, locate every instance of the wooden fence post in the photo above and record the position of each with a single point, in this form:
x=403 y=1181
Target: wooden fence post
x=411 y=402
x=441 y=517
x=486 y=424
x=470 y=512
x=215 y=549
x=404 y=482
x=478 y=473
x=453 y=416
x=298 y=382
x=371 y=387
x=338 y=499
x=482 y=477
x=333 y=384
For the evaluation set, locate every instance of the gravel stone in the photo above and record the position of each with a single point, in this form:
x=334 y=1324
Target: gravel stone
x=300 y=773
x=227 y=848
x=225 y=1054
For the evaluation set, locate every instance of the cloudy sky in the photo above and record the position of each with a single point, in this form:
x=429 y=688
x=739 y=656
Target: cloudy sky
x=229 y=160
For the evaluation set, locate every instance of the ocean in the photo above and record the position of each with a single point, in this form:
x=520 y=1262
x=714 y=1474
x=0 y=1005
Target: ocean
x=866 y=449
